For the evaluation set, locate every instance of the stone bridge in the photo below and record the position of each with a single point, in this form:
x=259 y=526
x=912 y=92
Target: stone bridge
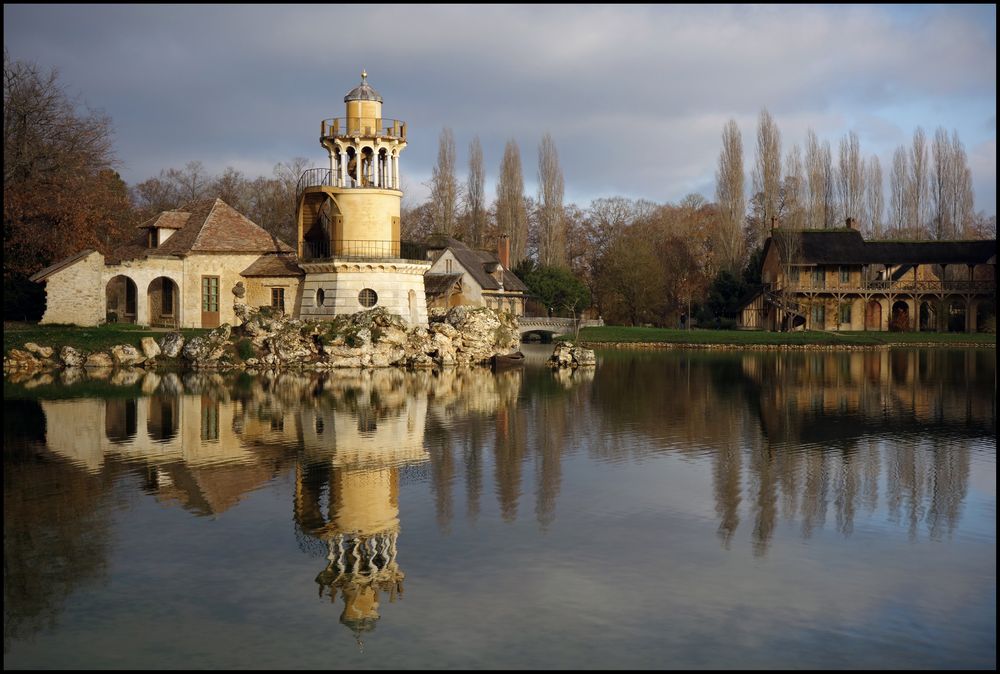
x=554 y=326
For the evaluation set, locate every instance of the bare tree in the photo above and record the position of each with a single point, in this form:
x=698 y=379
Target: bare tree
x=795 y=190
x=917 y=182
x=829 y=178
x=767 y=169
x=960 y=188
x=475 y=195
x=729 y=193
x=898 y=190
x=192 y=182
x=942 y=178
x=512 y=215
x=822 y=210
x=850 y=177
x=551 y=224
x=444 y=185
x=874 y=201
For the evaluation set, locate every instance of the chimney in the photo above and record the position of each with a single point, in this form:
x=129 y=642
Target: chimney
x=774 y=222
x=503 y=250
x=852 y=223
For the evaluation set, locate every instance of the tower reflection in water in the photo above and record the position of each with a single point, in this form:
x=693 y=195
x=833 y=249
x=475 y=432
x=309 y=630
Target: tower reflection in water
x=361 y=430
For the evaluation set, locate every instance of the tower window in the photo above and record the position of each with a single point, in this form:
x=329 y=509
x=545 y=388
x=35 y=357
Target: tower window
x=368 y=298
x=320 y=297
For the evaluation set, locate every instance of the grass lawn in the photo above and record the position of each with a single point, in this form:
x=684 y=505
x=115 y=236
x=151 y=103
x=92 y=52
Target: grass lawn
x=621 y=334
x=16 y=334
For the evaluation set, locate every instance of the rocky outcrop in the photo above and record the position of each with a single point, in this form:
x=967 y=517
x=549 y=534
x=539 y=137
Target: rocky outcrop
x=98 y=360
x=207 y=350
x=150 y=349
x=377 y=338
x=367 y=339
x=70 y=357
x=19 y=360
x=171 y=344
x=126 y=355
x=567 y=355
x=39 y=351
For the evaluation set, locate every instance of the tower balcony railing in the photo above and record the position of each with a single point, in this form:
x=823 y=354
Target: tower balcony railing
x=322 y=177
x=360 y=250
x=313 y=177
x=344 y=127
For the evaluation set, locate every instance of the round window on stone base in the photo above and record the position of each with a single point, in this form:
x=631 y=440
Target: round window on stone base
x=368 y=298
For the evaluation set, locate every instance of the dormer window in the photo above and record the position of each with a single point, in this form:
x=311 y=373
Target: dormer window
x=154 y=237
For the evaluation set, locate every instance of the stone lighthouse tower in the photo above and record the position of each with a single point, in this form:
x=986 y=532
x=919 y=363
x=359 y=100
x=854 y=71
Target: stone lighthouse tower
x=348 y=218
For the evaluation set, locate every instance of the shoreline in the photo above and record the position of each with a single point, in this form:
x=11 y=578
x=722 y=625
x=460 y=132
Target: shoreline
x=652 y=346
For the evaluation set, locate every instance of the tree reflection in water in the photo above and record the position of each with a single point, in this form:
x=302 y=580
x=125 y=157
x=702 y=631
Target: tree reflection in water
x=807 y=437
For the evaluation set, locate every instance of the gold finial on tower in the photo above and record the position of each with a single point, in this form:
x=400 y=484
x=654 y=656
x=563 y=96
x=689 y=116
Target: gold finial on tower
x=364 y=75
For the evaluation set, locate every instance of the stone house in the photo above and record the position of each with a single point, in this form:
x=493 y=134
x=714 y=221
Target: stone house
x=460 y=275
x=832 y=279
x=181 y=269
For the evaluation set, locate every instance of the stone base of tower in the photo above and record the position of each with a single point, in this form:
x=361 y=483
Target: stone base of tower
x=336 y=287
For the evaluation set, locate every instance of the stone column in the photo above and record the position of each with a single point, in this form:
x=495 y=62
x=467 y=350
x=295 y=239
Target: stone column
x=142 y=304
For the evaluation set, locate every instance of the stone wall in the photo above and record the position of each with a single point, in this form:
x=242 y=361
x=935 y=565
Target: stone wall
x=259 y=292
x=75 y=295
x=400 y=290
x=227 y=266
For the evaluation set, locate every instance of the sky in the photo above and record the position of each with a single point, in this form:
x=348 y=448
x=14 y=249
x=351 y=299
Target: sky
x=634 y=96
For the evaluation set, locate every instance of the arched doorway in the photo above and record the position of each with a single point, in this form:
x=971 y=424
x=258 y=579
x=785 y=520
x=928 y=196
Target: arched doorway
x=873 y=315
x=163 y=303
x=956 y=316
x=900 y=321
x=121 y=296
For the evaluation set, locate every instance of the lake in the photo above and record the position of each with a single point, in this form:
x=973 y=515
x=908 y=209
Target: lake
x=668 y=509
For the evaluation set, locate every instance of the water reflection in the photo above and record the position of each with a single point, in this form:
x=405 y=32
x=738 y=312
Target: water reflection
x=803 y=438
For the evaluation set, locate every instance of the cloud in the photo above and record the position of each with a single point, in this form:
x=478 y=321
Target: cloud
x=635 y=96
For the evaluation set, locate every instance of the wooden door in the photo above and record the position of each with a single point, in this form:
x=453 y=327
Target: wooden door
x=873 y=316
x=209 y=301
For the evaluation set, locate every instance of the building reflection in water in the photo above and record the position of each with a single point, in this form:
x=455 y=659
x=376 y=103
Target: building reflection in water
x=809 y=438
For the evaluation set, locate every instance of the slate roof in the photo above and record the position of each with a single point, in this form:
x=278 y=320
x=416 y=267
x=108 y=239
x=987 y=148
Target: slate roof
x=847 y=246
x=166 y=220
x=62 y=264
x=274 y=265
x=436 y=285
x=363 y=92
x=210 y=226
x=479 y=264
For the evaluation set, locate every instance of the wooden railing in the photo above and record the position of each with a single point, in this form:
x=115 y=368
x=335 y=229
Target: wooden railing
x=902 y=285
